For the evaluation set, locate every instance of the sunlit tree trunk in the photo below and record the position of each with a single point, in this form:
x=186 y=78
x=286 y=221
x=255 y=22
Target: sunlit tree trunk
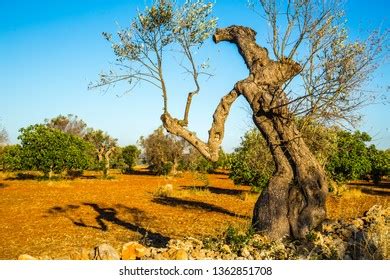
x=294 y=201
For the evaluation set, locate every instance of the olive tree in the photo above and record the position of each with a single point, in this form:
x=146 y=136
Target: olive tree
x=104 y=146
x=130 y=156
x=162 y=151
x=69 y=124
x=308 y=42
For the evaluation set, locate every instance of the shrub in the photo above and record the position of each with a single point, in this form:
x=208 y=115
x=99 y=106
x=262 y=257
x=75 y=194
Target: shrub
x=380 y=163
x=52 y=151
x=130 y=156
x=162 y=151
x=11 y=158
x=251 y=163
x=351 y=160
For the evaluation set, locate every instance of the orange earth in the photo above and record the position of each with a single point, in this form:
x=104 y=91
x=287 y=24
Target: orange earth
x=56 y=218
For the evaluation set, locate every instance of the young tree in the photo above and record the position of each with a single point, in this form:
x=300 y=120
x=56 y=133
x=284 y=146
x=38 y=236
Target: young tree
x=333 y=71
x=52 y=151
x=104 y=146
x=130 y=156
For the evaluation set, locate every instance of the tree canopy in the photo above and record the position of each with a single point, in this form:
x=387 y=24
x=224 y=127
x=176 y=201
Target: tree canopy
x=52 y=151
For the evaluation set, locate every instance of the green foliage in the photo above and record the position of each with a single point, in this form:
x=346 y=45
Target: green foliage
x=51 y=150
x=251 y=163
x=237 y=239
x=130 y=156
x=10 y=158
x=351 y=160
x=321 y=140
x=192 y=160
x=380 y=163
x=104 y=148
x=162 y=151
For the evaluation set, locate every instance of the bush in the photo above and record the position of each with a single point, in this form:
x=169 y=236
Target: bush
x=130 y=156
x=351 y=160
x=251 y=163
x=52 y=151
x=11 y=158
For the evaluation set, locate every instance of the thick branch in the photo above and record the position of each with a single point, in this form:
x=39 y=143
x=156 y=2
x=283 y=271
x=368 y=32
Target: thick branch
x=209 y=150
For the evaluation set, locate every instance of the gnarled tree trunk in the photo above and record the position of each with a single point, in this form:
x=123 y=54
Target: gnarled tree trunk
x=294 y=201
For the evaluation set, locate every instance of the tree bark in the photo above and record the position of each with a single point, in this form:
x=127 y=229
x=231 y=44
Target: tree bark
x=294 y=201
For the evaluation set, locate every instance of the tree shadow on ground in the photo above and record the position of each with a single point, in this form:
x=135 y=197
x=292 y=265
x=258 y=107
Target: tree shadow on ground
x=140 y=172
x=215 y=190
x=382 y=184
x=109 y=215
x=3 y=186
x=191 y=204
x=24 y=176
x=376 y=192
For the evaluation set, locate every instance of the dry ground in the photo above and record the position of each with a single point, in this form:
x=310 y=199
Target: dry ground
x=56 y=218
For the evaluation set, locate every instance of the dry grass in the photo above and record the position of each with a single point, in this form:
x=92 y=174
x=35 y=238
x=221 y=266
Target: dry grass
x=56 y=218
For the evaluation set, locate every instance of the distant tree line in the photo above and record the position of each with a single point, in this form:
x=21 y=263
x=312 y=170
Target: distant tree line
x=65 y=144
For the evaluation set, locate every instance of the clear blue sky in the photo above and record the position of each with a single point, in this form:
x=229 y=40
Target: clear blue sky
x=51 y=50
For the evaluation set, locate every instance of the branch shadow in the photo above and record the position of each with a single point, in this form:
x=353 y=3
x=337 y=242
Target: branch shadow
x=191 y=204
x=109 y=215
x=216 y=190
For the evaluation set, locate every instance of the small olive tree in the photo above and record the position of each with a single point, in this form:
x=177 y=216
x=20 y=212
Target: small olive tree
x=162 y=151
x=104 y=146
x=130 y=155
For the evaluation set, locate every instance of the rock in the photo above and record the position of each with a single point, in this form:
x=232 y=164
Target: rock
x=159 y=257
x=133 y=251
x=245 y=252
x=226 y=249
x=104 y=252
x=347 y=257
x=358 y=223
x=180 y=254
x=26 y=257
x=173 y=243
x=198 y=254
